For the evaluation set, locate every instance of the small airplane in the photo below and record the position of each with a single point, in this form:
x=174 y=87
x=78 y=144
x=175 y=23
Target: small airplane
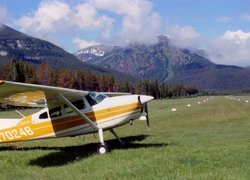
x=68 y=112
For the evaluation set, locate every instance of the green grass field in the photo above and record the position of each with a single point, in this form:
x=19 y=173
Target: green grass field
x=210 y=140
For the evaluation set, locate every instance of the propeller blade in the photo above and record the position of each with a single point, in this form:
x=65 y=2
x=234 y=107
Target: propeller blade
x=147 y=116
x=139 y=99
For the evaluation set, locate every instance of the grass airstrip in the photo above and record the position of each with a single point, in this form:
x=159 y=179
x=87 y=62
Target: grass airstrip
x=210 y=139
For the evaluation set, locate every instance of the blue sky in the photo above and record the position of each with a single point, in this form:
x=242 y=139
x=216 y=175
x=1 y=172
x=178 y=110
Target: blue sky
x=202 y=14
x=220 y=27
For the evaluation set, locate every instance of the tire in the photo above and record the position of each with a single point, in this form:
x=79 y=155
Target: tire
x=102 y=149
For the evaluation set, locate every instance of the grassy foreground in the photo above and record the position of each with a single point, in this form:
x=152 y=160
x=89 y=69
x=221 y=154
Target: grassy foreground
x=210 y=140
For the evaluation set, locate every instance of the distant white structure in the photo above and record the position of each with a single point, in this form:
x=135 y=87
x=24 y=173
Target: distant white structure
x=3 y=53
x=174 y=109
x=238 y=99
x=246 y=101
x=188 y=105
x=199 y=102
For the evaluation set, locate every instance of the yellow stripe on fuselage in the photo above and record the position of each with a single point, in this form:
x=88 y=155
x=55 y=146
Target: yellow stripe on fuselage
x=54 y=126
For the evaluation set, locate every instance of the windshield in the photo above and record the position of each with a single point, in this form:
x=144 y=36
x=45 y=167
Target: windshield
x=94 y=98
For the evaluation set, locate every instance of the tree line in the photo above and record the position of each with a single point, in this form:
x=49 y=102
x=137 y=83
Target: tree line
x=44 y=74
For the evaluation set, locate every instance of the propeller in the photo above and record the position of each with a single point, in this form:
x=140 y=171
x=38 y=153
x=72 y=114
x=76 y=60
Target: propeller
x=147 y=116
x=144 y=110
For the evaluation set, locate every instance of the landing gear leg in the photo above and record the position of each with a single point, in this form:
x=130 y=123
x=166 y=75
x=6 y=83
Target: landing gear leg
x=117 y=137
x=103 y=148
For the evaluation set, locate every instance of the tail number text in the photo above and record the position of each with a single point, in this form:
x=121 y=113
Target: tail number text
x=16 y=134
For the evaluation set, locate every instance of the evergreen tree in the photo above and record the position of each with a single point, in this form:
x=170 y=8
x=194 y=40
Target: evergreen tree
x=84 y=80
x=66 y=79
x=44 y=74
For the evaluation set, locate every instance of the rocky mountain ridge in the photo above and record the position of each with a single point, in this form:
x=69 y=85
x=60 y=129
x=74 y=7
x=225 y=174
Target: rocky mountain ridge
x=167 y=63
x=37 y=51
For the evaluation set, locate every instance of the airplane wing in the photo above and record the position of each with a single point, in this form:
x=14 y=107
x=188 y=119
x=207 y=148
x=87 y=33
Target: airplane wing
x=22 y=94
x=111 y=94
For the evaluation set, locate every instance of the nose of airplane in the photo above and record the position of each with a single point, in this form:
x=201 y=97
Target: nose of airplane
x=145 y=98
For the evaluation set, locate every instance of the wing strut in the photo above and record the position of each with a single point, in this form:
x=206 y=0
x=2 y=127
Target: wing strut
x=77 y=111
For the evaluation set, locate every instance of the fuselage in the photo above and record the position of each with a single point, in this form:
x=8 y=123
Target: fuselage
x=61 y=121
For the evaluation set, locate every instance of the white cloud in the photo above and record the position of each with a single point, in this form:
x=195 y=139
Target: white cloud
x=85 y=16
x=5 y=17
x=231 y=48
x=238 y=36
x=184 y=36
x=139 y=22
x=57 y=16
x=81 y=43
x=47 y=18
x=224 y=19
x=246 y=17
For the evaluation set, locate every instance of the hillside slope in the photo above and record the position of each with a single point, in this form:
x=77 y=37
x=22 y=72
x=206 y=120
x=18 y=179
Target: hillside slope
x=167 y=63
x=36 y=51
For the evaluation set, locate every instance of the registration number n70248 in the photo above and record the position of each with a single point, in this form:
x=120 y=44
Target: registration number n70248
x=14 y=134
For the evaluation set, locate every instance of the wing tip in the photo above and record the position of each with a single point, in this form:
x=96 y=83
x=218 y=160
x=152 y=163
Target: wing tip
x=1 y=82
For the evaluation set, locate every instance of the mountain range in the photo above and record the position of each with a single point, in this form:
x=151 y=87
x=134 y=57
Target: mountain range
x=37 y=51
x=161 y=61
x=167 y=63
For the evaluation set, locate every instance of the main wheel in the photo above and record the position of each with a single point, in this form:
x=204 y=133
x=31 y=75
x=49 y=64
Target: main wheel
x=102 y=149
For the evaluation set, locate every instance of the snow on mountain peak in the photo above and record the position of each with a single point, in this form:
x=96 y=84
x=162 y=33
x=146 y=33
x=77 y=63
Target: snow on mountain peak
x=92 y=50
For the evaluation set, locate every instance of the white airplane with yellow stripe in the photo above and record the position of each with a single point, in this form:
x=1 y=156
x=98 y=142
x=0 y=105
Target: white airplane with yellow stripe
x=67 y=112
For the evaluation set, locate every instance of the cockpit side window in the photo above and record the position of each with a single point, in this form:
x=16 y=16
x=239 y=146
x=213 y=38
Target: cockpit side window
x=55 y=112
x=79 y=104
x=43 y=115
x=67 y=109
